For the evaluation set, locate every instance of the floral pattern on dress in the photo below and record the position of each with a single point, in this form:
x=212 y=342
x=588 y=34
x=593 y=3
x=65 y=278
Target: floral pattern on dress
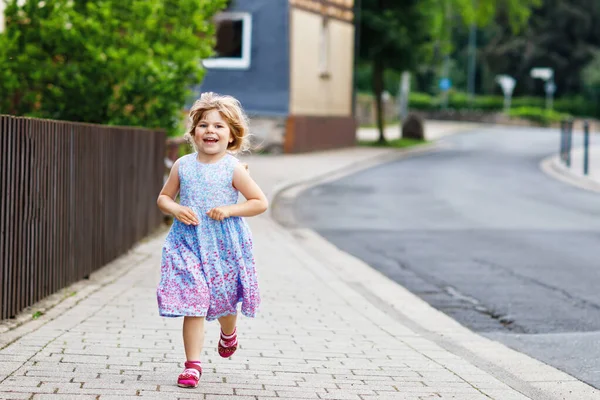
x=206 y=270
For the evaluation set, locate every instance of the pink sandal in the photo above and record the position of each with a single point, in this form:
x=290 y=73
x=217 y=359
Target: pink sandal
x=190 y=376
x=228 y=344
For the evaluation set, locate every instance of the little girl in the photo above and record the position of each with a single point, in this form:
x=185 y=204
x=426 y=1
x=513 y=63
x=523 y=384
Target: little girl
x=207 y=262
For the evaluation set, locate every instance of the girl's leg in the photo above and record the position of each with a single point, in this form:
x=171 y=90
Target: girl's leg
x=193 y=340
x=228 y=339
x=193 y=337
x=228 y=323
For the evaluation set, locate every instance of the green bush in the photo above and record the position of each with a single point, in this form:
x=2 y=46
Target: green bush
x=538 y=115
x=111 y=62
x=528 y=101
x=488 y=103
x=422 y=101
x=577 y=105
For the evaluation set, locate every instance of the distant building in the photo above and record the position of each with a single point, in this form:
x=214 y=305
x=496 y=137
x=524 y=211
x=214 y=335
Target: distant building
x=290 y=62
x=2 y=7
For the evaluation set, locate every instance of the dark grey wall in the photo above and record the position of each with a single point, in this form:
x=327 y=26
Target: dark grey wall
x=264 y=88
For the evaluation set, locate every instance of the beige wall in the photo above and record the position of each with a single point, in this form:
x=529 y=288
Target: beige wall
x=2 y=15
x=311 y=94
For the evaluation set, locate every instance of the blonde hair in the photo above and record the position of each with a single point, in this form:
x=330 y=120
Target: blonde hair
x=231 y=111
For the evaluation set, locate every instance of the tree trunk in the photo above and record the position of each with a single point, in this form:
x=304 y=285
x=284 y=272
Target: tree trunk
x=378 y=92
x=15 y=103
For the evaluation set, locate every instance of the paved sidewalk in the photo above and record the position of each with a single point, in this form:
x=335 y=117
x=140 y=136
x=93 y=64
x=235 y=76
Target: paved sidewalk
x=574 y=174
x=329 y=328
x=434 y=130
x=593 y=163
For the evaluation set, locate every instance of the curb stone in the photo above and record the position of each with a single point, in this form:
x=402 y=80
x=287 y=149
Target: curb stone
x=555 y=169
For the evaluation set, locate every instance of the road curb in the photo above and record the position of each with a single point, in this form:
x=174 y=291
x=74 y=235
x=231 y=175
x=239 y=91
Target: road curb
x=552 y=167
x=521 y=372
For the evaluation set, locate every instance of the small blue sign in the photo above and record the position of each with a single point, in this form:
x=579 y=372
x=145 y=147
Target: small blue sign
x=445 y=84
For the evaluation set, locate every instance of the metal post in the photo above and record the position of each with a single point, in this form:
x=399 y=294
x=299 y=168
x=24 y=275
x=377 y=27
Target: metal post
x=563 y=135
x=586 y=145
x=472 y=63
x=569 y=142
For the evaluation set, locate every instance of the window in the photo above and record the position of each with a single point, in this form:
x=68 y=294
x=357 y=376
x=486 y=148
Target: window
x=324 y=49
x=234 y=32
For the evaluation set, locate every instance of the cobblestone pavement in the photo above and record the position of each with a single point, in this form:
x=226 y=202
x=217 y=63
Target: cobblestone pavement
x=313 y=339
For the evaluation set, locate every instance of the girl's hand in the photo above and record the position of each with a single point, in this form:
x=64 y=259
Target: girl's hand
x=218 y=213
x=186 y=215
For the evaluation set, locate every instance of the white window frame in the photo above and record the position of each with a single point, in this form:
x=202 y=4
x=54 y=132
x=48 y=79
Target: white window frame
x=234 y=63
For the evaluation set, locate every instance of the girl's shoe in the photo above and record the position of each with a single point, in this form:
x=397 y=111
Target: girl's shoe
x=228 y=344
x=190 y=376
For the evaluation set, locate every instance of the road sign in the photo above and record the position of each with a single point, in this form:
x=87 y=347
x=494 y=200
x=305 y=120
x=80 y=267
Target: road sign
x=507 y=83
x=542 y=73
x=445 y=84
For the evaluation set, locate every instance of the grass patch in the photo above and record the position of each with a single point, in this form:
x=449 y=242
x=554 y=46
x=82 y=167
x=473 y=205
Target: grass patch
x=397 y=143
x=385 y=124
x=37 y=314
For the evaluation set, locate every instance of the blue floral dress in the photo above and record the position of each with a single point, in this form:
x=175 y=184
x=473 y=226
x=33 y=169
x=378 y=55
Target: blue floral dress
x=208 y=269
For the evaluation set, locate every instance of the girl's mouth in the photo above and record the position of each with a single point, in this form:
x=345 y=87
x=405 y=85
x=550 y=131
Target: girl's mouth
x=211 y=140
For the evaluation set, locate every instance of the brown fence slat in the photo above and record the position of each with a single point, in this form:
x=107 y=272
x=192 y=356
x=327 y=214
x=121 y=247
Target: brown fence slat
x=10 y=199
x=3 y=213
x=74 y=197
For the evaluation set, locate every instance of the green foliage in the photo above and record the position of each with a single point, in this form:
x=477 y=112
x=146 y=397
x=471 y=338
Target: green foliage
x=577 y=106
x=364 y=79
x=442 y=15
x=591 y=72
x=460 y=101
x=392 y=32
x=104 y=61
x=423 y=101
x=561 y=34
x=400 y=34
x=538 y=115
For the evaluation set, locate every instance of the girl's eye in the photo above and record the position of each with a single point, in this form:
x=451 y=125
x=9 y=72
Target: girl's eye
x=202 y=125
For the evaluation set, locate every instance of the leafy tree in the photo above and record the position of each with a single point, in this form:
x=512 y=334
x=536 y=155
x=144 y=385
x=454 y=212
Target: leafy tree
x=561 y=34
x=591 y=81
x=126 y=62
x=397 y=34
x=591 y=73
x=390 y=36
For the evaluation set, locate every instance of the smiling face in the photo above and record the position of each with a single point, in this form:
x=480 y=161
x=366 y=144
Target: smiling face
x=212 y=134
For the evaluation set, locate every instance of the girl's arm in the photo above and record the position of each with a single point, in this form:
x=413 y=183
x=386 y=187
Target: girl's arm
x=166 y=199
x=256 y=202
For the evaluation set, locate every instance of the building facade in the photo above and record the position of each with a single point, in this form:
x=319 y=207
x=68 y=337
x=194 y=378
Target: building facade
x=290 y=63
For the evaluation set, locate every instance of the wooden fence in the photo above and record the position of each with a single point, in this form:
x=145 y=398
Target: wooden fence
x=73 y=198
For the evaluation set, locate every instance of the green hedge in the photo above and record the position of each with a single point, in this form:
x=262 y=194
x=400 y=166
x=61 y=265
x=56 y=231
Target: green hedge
x=577 y=106
x=539 y=115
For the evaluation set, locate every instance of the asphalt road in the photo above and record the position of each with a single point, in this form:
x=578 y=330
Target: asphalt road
x=481 y=233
